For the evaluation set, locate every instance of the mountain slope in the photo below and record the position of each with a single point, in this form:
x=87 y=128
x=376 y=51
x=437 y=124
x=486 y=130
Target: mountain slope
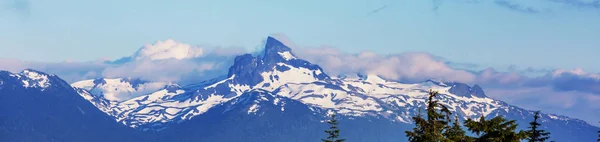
x=280 y=73
x=276 y=67
x=249 y=117
x=260 y=116
x=35 y=106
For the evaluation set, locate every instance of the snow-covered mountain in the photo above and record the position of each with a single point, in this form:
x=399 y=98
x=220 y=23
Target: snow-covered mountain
x=31 y=79
x=279 y=72
x=119 y=89
x=35 y=106
x=273 y=97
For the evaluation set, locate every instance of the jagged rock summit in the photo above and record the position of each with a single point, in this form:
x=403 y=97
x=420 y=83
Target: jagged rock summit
x=276 y=59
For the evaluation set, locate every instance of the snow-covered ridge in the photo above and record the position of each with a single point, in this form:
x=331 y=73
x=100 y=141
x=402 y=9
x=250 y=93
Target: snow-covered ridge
x=119 y=89
x=280 y=73
x=370 y=97
x=30 y=78
x=35 y=79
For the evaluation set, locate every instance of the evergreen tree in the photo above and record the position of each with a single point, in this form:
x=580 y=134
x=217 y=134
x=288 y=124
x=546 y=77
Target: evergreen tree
x=497 y=129
x=599 y=135
x=418 y=133
x=432 y=128
x=334 y=131
x=534 y=134
x=455 y=133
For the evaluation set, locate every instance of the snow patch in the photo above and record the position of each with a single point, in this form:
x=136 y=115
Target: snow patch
x=35 y=80
x=286 y=55
x=253 y=109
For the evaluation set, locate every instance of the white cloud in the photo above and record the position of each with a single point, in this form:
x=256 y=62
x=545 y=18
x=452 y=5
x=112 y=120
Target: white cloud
x=168 y=49
x=69 y=71
x=13 y=65
x=491 y=76
x=162 y=70
x=408 y=67
x=582 y=105
x=533 y=6
x=168 y=60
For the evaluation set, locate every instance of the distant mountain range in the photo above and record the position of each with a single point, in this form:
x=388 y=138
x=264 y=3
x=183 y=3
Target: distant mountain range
x=272 y=97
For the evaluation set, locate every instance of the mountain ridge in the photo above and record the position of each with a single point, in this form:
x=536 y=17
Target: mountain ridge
x=35 y=106
x=278 y=71
x=253 y=109
x=279 y=74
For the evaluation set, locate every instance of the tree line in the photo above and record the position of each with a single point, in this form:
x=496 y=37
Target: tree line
x=438 y=125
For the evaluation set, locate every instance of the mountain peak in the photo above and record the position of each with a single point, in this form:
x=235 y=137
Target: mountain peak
x=465 y=90
x=275 y=45
x=275 y=50
x=36 y=79
x=30 y=78
x=277 y=59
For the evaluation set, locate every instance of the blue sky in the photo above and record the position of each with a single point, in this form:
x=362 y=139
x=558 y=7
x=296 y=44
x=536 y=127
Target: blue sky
x=545 y=34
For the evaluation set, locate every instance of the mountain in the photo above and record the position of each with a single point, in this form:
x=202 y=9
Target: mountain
x=250 y=117
x=276 y=67
x=259 y=115
x=119 y=89
x=212 y=108
x=36 y=106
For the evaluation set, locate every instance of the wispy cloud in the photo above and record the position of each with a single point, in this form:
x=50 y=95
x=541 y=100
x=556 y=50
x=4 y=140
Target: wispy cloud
x=576 y=104
x=178 y=62
x=594 y=4
x=378 y=9
x=569 y=80
x=516 y=7
x=436 y=4
x=69 y=71
x=406 y=67
x=22 y=7
x=531 y=6
x=418 y=66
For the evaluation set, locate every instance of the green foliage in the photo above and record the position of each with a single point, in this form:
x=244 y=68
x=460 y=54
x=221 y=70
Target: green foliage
x=534 y=134
x=333 y=131
x=455 y=133
x=496 y=129
x=432 y=128
x=435 y=127
x=418 y=133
